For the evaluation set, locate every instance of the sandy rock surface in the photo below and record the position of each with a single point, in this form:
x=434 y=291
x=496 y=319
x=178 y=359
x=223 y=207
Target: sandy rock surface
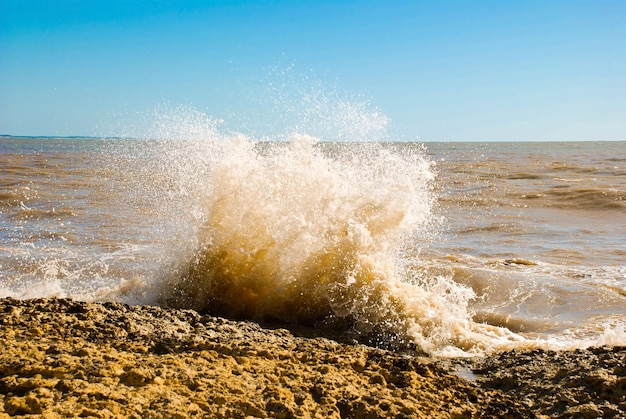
x=569 y=384
x=62 y=358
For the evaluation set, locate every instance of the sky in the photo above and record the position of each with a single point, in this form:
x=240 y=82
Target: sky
x=433 y=70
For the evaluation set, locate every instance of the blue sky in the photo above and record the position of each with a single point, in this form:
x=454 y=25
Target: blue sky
x=439 y=70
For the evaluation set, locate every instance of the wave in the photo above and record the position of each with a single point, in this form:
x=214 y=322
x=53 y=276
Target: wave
x=305 y=232
x=314 y=234
x=587 y=198
x=582 y=198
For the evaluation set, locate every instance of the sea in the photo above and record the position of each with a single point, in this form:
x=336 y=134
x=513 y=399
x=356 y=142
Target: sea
x=459 y=249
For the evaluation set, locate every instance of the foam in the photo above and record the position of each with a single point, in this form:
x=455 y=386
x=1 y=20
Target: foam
x=313 y=233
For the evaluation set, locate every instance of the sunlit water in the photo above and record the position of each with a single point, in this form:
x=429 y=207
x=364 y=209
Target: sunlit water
x=456 y=248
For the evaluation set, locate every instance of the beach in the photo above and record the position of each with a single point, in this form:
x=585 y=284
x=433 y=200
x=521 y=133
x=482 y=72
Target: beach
x=274 y=209
x=64 y=358
x=225 y=277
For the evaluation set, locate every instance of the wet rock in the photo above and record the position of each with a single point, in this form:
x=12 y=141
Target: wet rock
x=587 y=383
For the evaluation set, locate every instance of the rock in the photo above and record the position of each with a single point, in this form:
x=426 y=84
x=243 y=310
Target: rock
x=580 y=383
x=66 y=358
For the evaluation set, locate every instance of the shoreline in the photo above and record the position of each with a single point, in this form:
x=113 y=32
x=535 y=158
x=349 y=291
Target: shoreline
x=68 y=358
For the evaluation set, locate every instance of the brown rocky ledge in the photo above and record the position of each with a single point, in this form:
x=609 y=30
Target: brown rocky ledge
x=63 y=358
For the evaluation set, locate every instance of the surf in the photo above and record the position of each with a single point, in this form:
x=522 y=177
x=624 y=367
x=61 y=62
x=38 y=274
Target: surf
x=313 y=233
x=290 y=229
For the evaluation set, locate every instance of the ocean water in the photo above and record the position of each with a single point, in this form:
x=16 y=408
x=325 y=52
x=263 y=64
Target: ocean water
x=457 y=248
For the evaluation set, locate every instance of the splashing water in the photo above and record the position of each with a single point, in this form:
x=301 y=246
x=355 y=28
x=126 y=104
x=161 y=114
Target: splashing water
x=314 y=233
x=333 y=231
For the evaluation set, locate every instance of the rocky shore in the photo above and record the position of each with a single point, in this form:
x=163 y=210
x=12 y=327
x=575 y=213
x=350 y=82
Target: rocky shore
x=63 y=358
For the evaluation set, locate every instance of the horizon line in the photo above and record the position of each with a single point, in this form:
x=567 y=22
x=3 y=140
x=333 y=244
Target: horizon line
x=417 y=140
